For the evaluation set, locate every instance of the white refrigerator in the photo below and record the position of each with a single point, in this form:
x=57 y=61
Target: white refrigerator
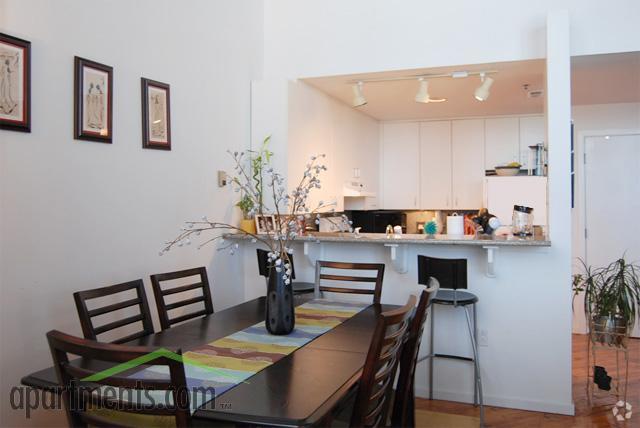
x=502 y=193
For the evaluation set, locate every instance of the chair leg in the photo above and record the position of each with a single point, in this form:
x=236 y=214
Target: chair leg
x=431 y=350
x=476 y=362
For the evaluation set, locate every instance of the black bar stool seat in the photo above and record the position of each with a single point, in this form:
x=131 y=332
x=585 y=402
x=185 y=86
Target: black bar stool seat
x=454 y=298
x=300 y=287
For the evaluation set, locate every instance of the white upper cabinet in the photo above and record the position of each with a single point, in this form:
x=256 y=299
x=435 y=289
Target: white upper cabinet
x=467 y=150
x=400 y=165
x=532 y=132
x=502 y=141
x=435 y=160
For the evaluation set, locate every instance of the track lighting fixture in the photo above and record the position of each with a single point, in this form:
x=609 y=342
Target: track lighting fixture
x=358 y=96
x=482 y=92
x=423 y=93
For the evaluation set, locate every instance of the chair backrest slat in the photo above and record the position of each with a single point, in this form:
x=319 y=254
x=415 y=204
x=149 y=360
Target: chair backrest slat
x=403 y=414
x=372 y=400
x=166 y=321
x=86 y=315
x=378 y=268
x=83 y=401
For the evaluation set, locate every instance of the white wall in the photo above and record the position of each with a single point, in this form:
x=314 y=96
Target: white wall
x=593 y=120
x=319 y=124
x=77 y=215
x=317 y=38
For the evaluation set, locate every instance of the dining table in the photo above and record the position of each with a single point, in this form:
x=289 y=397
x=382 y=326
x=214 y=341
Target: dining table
x=302 y=389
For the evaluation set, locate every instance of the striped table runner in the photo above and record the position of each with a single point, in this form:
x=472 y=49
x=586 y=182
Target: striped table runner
x=227 y=362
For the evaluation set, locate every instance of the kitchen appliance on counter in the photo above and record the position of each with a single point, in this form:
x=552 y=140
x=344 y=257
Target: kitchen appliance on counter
x=537 y=160
x=522 y=223
x=377 y=221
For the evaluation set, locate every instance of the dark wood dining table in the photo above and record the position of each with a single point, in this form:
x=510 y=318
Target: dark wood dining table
x=302 y=389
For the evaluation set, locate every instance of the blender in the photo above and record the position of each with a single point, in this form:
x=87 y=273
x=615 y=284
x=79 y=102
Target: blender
x=522 y=224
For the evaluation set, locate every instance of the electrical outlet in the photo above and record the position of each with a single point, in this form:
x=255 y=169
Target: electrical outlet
x=483 y=338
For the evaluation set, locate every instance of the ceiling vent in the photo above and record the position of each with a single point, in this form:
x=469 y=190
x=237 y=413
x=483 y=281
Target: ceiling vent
x=532 y=93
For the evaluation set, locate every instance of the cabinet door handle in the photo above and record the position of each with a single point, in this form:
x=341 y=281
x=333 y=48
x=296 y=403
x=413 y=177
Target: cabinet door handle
x=457 y=202
x=415 y=201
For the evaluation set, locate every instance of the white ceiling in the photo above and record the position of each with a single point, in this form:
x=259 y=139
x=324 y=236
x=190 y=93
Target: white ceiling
x=596 y=79
x=605 y=79
x=395 y=100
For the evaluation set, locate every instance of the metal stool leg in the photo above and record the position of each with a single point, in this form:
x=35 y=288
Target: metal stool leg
x=431 y=350
x=476 y=363
x=475 y=367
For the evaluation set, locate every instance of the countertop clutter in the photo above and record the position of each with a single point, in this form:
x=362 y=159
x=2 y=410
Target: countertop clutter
x=418 y=239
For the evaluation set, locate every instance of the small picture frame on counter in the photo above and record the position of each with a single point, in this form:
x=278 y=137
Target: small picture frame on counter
x=265 y=224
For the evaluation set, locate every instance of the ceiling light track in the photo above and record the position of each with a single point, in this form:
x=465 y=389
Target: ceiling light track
x=453 y=75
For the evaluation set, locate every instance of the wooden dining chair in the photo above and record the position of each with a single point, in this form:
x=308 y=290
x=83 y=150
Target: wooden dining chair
x=161 y=294
x=84 y=404
x=374 y=391
x=403 y=414
x=322 y=266
x=86 y=315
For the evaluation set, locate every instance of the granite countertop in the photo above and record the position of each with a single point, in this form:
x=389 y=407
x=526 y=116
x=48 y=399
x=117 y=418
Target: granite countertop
x=416 y=239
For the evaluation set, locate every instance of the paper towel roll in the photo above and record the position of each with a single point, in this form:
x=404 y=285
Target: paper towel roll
x=455 y=225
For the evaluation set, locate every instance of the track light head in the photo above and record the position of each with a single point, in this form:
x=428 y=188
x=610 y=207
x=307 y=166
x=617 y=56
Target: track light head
x=482 y=92
x=422 y=96
x=358 y=96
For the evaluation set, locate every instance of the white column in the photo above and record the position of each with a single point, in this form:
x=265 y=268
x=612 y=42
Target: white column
x=558 y=115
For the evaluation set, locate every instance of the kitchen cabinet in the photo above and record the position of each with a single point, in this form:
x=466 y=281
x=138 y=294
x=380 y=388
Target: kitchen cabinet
x=532 y=132
x=502 y=193
x=467 y=166
x=502 y=141
x=400 y=165
x=435 y=165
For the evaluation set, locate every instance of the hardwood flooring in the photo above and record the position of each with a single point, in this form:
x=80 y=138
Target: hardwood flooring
x=598 y=416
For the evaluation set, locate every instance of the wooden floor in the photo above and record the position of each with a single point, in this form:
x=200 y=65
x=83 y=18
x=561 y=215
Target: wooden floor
x=598 y=416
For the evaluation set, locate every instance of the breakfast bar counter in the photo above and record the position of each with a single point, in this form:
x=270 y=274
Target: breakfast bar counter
x=415 y=239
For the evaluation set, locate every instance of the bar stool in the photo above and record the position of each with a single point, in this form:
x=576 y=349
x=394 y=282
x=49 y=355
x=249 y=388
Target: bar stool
x=263 y=268
x=452 y=276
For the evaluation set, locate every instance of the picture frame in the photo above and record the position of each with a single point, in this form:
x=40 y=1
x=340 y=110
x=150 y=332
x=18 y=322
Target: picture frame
x=93 y=101
x=265 y=224
x=15 y=83
x=156 y=114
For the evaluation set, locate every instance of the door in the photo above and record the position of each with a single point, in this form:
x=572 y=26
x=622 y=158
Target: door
x=467 y=151
x=435 y=165
x=502 y=141
x=612 y=199
x=400 y=179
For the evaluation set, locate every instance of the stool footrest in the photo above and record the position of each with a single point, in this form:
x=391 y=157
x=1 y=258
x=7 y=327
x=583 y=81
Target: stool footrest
x=451 y=357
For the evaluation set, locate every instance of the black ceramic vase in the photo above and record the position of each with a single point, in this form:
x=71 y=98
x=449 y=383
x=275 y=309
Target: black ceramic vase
x=279 y=316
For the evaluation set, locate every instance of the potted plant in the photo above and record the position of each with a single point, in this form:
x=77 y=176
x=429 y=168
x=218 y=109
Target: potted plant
x=612 y=298
x=253 y=174
x=246 y=205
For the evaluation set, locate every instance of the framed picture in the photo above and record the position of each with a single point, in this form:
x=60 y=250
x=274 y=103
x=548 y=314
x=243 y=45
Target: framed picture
x=15 y=84
x=93 y=101
x=265 y=224
x=156 y=115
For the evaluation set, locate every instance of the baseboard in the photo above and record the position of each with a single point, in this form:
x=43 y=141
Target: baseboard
x=507 y=402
